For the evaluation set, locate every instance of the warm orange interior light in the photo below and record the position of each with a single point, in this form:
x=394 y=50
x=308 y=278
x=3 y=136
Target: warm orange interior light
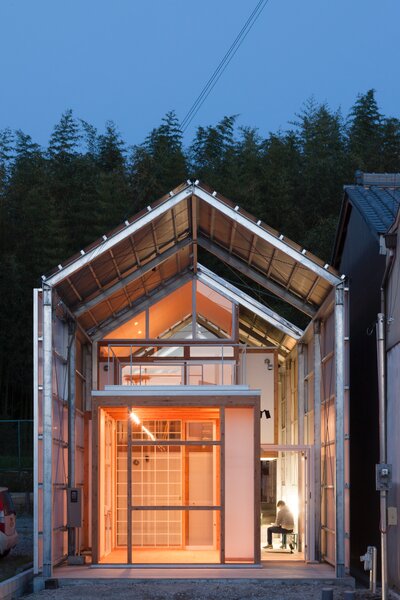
x=134 y=417
x=151 y=436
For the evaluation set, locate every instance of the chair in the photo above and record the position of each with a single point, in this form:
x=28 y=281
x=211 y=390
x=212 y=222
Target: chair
x=293 y=541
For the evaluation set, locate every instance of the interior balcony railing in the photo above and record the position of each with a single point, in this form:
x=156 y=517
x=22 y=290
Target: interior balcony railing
x=169 y=363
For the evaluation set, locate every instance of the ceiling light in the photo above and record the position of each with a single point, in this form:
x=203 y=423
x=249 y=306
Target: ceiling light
x=134 y=417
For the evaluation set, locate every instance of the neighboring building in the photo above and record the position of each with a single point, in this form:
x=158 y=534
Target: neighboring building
x=150 y=377
x=368 y=211
x=392 y=312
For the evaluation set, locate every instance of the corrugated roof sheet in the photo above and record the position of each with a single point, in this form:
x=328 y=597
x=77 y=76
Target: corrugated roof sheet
x=378 y=205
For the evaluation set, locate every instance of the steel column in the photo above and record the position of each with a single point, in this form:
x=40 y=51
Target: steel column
x=339 y=430
x=47 y=432
x=94 y=380
x=129 y=486
x=303 y=500
x=35 y=431
x=87 y=363
x=300 y=394
x=317 y=438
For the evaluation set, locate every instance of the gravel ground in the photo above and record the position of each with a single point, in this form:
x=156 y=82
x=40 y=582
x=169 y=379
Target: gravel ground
x=176 y=590
x=199 y=591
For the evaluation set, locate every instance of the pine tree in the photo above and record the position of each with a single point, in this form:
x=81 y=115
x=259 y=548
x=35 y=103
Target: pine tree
x=365 y=133
x=323 y=168
x=244 y=185
x=65 y=137
x=390 y=154
x=212 y=153
x=6 y=154
x=281 y=163
x=158 y=164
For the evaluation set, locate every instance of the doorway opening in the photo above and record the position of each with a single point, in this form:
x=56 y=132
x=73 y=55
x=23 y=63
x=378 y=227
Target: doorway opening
x=286 y=475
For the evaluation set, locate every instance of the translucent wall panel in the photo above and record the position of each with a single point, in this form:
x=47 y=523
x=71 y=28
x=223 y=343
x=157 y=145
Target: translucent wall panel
x=79 y=448
x=60 y=438
x=239 y=484
x=214 y=307
x=170 y=311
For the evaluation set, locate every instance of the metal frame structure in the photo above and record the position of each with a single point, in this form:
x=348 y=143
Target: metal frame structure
x=152 y=255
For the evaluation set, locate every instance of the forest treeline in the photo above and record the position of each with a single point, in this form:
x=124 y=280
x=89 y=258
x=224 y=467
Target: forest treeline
x=56 y=200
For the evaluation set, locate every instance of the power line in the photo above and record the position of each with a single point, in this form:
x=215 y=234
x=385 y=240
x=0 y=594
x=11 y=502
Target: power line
x=212 y=81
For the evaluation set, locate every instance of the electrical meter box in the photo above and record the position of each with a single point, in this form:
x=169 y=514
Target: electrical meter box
x=74 y=507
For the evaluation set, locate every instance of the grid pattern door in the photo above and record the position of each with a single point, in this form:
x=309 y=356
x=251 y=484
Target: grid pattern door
x=156 y=481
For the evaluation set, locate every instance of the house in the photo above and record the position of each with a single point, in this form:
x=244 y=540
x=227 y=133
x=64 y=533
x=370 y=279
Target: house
x=392 y=356
x=172 y=409
x=362 y=250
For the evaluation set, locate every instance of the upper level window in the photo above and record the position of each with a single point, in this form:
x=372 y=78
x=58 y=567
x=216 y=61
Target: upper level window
x=193 y=311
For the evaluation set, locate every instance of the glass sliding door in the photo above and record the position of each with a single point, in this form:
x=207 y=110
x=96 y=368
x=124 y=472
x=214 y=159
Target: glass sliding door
x=168 y=505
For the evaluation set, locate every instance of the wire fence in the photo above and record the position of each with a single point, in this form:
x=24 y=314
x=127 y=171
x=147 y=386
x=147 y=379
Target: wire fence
x=16 y=445
x=16 y=455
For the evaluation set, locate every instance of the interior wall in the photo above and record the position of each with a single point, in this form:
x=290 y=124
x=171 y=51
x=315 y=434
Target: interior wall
x=262 y=374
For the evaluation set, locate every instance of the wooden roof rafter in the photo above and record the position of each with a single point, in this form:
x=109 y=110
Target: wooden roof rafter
x=256 y=276
x=159 y=238
x=139 y=273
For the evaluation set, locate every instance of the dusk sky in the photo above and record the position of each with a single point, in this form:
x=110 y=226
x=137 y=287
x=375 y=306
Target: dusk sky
x=131 y=61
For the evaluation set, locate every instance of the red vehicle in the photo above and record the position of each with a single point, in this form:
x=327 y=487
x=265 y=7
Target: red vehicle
x=8 y=532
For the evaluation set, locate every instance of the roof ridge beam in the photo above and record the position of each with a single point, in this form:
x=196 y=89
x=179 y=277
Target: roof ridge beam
x=251 y=273
x=112 y=241
x=137 y=274
x=258 y=230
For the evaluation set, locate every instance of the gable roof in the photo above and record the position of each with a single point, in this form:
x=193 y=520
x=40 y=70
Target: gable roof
x=158 y=248
x=376 y=197
x=377 y=205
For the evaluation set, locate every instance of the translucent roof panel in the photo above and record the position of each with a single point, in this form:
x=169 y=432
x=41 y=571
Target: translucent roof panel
x=214 y=308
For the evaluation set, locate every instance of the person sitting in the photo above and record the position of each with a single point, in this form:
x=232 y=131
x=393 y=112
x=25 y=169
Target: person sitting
x=284 y=523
